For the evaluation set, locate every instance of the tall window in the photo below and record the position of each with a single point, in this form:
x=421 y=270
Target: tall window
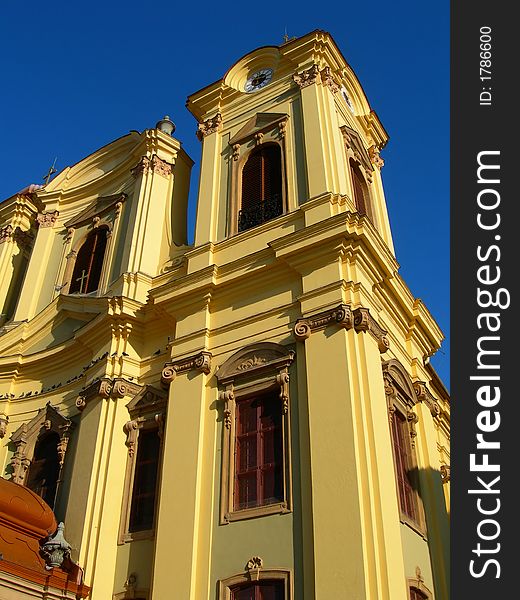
x=260 y=590
x=142 y=508
x=416 y=594
x=360 y=188
x=403 y=466
x=259 y=452
x=44 y=471
x=89 y=263
x=261 y=187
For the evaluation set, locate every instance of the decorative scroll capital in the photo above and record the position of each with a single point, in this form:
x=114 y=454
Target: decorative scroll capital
x=153 y=165
x=121 y=387
x=341 y=315
x=6 y=233
x=445 y=473
x=47 y=219
x=364 y=321
x=424 y=395
x=102 y=387
x=200 y=362
x=4 y=422
x=56 y=549
x=375 y=159
x=307 y=77
x=131 y=429
x=209 y=126
x=328 y=80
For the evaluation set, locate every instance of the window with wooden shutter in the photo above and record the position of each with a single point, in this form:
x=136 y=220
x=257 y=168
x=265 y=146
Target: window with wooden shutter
x=142 y=509
x=261 y=198
x=360 y=188
x=44 y=470
x=260 y=590
x=89 y=263
x=259 y=452
x=403 y=464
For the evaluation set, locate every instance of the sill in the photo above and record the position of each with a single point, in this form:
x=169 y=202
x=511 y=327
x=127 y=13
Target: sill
x=256 y=511
x=136 y=536
x=413 y=526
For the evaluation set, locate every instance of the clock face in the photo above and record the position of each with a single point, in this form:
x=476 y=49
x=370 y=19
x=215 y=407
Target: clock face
x=258 y=80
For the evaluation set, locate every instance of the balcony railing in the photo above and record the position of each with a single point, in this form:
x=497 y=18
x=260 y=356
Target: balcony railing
x=260 y=213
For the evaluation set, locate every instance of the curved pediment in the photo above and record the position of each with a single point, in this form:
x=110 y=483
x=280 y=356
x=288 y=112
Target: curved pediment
x=252 y=358
x=394 y=369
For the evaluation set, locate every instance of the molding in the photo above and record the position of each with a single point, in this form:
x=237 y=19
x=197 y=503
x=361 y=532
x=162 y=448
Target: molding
x=328 y=80
x=101 y=388
x=200 y=362
x=256 y=573
x=153 y=165
x=360 y=319
x=307 y=77
x=209 y=126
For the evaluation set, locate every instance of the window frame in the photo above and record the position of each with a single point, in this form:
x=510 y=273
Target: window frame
x=147 y=411
x=240 y=148
x=254 y=371
x=252 y=576
x=401 y=398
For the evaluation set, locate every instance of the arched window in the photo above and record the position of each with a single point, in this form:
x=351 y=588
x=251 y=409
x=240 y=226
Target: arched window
x=261 y=198
x=360 y=188
x=44 y=471
x=89 y=262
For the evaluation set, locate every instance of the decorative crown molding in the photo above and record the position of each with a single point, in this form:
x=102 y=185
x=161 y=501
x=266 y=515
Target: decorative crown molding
x=307 y=77
x=209 y=126
x=200 y=362
x=47 y=219
x=153 y=165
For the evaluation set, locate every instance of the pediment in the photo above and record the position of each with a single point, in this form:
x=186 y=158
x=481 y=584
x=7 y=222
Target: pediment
x=47 y=419
x=394 y=369
x=251 y=359
x=261 y=122
x=100 y=206
x=353 y=139
x=149 y=399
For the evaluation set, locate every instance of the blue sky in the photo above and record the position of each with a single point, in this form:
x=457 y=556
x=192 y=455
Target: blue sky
x=78 y=75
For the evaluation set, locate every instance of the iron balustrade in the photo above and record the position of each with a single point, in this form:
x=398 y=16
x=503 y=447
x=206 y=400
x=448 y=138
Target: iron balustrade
x=264 y=211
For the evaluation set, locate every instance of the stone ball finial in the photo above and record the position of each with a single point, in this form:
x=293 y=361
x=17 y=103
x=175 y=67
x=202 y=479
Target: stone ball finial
x=166 y=125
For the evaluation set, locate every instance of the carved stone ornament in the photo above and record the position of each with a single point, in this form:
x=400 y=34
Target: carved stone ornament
x=6 y=233
x=375 y=159
x=228 y=397
x=236 y=151
x=398 y=383
x=102 y=388
x=131 y=429
x=153 y=165
x=307 y=77
x=253 y=567
x=341 y=315
x=200 y=362
x=328 y=80
x=209 y=126
x=56 y=549
x=4 y=421
x=364 y=321
x=47 y=219
x=424 y=395
x=354 y=142
x=121 y=388
x=412 y=419
x=445 y=473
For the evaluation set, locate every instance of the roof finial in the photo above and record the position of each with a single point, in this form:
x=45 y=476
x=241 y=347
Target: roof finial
x=285 y=36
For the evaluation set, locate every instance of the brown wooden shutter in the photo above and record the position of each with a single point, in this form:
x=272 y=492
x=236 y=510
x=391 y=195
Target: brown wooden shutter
x=359 y=188
x=259 y=452
x=402 y=450
x=260 y=590
x=145 y=481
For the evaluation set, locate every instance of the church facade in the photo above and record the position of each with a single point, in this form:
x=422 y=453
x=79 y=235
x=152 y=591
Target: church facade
x=249 y=416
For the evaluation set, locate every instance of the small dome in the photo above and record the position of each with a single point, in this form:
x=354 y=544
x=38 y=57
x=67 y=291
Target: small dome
x=21 y=507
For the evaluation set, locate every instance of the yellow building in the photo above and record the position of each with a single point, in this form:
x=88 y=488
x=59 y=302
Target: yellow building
x=251 y=416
